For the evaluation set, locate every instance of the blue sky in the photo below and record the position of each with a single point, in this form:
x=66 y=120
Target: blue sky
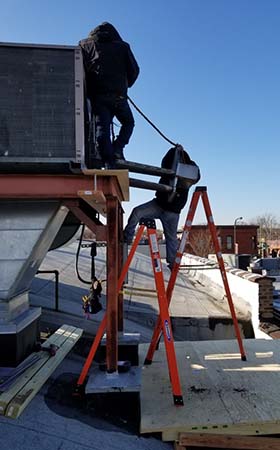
x=209 y=79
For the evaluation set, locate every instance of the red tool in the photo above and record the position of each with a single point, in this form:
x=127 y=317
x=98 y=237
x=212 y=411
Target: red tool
x=51 y=349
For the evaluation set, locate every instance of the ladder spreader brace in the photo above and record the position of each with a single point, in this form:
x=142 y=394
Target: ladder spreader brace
x=200 y=191
x=165 y=323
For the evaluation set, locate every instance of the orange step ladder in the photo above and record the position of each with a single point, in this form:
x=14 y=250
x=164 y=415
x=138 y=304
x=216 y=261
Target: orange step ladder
x=200 y=192
x=164 y=319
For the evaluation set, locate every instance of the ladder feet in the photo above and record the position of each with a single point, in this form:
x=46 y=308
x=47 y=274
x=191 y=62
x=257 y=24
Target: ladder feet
x=147 y=362
x=178 y=400
x=243 y=358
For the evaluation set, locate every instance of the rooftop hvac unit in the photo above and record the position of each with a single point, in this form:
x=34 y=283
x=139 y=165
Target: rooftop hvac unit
x=42 y=108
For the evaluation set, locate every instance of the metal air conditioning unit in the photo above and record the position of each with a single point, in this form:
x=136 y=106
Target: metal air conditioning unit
x=42 y=127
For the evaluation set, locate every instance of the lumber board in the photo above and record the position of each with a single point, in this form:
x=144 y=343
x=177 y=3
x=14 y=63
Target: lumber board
x=249 y=429
x=9 y=375
x=34 y=377
x=96 y=199
x=222 y=394
x=27 y=393
x=57 y=339
x=229 y=441
x=121 y=174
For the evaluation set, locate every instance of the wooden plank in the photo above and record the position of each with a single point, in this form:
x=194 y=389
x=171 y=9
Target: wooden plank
x=11 y=374
x=58 y=339
x=96 y=199
x=98 y=230
x=229 y=442
x=222 y=394
x=27 y=393
x=236 y=429
x=122 y=176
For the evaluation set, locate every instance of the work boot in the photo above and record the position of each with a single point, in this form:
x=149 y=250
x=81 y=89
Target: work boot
x=110 y=165
x=119 y=155
x=118 y=151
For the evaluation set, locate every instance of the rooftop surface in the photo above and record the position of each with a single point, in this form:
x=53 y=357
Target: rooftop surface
x=190 y=299
x=54 y=419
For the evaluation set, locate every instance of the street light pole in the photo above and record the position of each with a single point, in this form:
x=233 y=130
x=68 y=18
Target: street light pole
x=234 y=240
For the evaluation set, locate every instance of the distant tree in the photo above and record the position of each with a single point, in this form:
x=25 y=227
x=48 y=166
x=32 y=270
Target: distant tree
x=201 y=242
x=269 y=227
x=159 y=235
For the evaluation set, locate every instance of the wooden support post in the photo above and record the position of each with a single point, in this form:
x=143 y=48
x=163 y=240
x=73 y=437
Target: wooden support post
x=112 y=282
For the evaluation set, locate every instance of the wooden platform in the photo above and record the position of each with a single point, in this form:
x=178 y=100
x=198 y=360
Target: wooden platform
x=222 y=394
x=14 y=400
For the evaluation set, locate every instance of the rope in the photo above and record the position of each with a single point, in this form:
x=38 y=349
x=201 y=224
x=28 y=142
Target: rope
x=151 y=123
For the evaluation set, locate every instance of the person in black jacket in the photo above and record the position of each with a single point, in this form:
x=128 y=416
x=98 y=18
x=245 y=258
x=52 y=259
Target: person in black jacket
x=110 y=69
x=165 y=206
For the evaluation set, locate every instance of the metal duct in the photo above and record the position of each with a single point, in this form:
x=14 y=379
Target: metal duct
x=27 y=230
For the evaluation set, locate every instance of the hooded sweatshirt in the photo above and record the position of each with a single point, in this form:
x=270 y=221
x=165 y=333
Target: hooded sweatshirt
x=109 y=63
x=177 y=202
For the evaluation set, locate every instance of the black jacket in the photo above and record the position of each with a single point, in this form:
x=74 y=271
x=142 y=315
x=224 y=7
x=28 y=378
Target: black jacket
x=164 y=199
x=109 y=63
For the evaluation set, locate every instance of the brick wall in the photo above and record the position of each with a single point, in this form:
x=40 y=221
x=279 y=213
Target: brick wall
x=265 y=298
x=265 y=291
x=201 y=241
x=252 y=293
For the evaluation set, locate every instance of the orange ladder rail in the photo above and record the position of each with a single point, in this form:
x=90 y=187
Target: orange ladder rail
x=199 y=192
x=163 y=316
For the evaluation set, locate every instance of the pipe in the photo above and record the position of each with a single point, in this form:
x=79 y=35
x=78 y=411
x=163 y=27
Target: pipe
x=56 y=274
x=144 y=169
x=142 y=184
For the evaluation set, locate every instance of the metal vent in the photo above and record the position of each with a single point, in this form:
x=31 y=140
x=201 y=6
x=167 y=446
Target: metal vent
x=38 y=103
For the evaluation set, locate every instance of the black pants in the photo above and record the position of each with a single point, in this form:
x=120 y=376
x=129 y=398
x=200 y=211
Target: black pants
x=105 y=108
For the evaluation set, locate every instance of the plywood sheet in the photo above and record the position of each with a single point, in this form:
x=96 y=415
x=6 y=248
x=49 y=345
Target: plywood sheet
x=222 y=394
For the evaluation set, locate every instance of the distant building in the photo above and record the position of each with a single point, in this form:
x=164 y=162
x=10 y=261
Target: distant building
x=200 y=240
